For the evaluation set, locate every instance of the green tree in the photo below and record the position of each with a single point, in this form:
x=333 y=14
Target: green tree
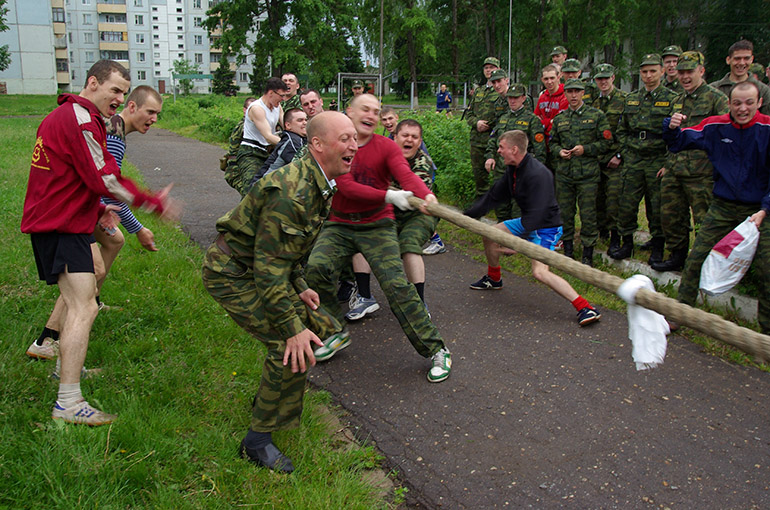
x=5 y=55
x=223 y=78
x=184 y=66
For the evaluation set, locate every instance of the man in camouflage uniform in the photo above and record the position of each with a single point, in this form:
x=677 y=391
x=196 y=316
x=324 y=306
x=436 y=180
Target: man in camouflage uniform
x=579 y=136
x=558 y=55
x=292 y=97
x=516 y=117
x=740 y=57
x=356 y=90
x=254 y=270
x=230 y=160
x=644 y=154
x=670 y=57
x=481 y=116
x=688 y=180
x=610 y=100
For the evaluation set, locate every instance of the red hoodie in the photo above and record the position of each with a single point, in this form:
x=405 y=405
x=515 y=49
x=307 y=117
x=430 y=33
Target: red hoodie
x=71 y=169
x=548 y=106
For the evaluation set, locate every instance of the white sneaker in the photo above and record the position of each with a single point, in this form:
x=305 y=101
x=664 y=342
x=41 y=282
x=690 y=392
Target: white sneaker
x=332 y=345
x=434 y=248
x=82 y=413
x=49 y=349
x=361 y=306
x=442 y=365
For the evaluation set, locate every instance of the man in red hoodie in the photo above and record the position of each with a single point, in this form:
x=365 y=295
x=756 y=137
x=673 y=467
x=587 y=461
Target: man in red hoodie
x=552 y=100
x=71 y=169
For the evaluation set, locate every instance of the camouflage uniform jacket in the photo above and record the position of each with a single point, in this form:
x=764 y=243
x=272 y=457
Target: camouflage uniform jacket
x=612 y=105
x=705 y=101
x=673 y=86
x=523 y=120
x=586 y=126
x=422 y=166
x=234 y=142
x=641 y=126
x=484 y=106
x=292 y=102
x=271 y=231
x=591 y=91
x=724 y=85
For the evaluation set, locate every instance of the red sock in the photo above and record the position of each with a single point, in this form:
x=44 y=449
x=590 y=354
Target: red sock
x=494 y=273
x=580 y=302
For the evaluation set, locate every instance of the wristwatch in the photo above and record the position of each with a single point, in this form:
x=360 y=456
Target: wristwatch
x=619 y=156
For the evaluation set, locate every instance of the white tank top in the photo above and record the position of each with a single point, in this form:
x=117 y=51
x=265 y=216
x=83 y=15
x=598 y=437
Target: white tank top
x=251 y=132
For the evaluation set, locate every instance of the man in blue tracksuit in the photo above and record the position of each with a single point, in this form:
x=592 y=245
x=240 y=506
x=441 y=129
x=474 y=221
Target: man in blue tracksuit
x=738 y=145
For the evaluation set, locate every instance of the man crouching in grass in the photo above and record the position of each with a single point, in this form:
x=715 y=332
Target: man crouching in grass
x=254 y=271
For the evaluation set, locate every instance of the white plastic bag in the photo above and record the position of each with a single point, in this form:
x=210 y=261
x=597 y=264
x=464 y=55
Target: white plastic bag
x=729 y=259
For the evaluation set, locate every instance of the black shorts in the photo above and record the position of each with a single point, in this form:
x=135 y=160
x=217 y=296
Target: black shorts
x=56 y=253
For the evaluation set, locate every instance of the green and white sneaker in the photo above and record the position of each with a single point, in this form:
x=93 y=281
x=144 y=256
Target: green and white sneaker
x=442 y=365
x=332 y=345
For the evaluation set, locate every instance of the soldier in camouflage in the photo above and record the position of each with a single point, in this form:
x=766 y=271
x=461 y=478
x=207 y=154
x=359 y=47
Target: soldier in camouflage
x=516 y=117
x=740 y=57
x=229 y=163
x=688 y=180
x=579 y=136
x=644 y=154
x=254 y=271
x=481 y=115
x=293 y=96
x=558 y=55
x=670 y=55
x=610 y=100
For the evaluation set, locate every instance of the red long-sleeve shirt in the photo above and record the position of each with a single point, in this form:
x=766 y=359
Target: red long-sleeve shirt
x=363 y=190
x=71 y=169
x=549 y=105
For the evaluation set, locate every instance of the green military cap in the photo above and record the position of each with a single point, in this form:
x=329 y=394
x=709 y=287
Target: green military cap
x=492 y=60
x=498 y=74
x=357 y=83
x=571 y=65
x=574 y=83
x=516 y=90
x=671 y=50
x=558 y=50
x=690 y=60
x=651 y=59
x=604 y=71
x=757 y=68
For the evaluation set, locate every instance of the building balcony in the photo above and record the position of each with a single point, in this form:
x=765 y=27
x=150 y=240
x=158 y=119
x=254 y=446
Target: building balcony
x=63 y=77
x=113 y=27
x=60 y=42
x=60 y=53
x=124 y=63
x=59 y=28
x=57 y=4
x=111 y=8
x=113 y=46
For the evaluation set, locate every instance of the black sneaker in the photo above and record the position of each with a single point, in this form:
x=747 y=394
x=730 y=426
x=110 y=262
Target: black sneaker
x=588 y=315
x=269 y=457
x=487 y=283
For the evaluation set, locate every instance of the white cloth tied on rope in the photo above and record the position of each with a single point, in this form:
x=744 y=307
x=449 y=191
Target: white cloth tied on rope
x=646 y=329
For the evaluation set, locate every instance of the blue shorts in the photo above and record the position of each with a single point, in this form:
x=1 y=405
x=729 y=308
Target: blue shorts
x=545 y=237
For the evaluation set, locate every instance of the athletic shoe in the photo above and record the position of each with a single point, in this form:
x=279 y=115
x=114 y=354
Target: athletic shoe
x=49 y=349
x=360 y=307
x=442 y=365
x=588 y=315
x=427 y=310
x=82 y=413
x=269 y=456
x=434 y=248
x=107 y=308
x=85 y=373
x=332 y=345
x=346 y=290
x=487 y=283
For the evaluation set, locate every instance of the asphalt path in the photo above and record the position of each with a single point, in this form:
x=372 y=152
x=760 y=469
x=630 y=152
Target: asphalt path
x=538 y=412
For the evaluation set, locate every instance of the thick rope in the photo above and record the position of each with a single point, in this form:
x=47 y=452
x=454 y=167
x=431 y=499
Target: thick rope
x=709 y=324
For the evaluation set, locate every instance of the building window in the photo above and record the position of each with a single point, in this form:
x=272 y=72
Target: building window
x=58 y=15
x=114 y=18
x=215 y=57
x=155 y=27
x=242 y=76
x=180 y=55
x=180 y=28
x=140 y=57
x=138 y=19
x=157 y=73
x=179 y=20
x=112 y=36
x=114 y=55
x=89 y=57
x=197 y=4
x=138 y=3
x=141 y=75
x=180 y=37
x=155 y=18
x=88 y=37
x=86 y=19
x=179 y=9
x=154 y=9
x=73 y=75
x=140 y=38
x=156 y=54
x=61 y=65
x=156 y=45
x=197 y=21
x=199 y=58
x=198 y=39
x=156 y=37
x=181 y=46
x=85 y=2
x=69 y=36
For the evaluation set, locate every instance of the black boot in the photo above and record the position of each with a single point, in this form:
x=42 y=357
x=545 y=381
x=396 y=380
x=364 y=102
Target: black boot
x=568 y=249
x=614 y=242
x=588 y=256
x=647 y=245
x=626 y=250
x=604 y=234
x=656 y=257
x=674 y=263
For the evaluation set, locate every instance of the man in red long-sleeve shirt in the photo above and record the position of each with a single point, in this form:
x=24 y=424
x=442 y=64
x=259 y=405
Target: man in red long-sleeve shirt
x=362 y=221
x=552 y=100
x=71 y=169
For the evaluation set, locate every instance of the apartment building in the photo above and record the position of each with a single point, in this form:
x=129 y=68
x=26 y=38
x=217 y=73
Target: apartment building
x=53 y=43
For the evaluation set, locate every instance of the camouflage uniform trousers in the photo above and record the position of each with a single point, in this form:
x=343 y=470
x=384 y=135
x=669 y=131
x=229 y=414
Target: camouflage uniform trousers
x=278 y=404
x=721 y=218
x=608 y=197
x=250 y=160
x=639 y=174
x=414 y=229
x=580 y=191
x=480 y=174
x=510 y=210
x=680 y=190
x=378 y=243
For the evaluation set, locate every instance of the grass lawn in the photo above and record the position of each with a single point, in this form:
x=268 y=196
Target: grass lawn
x=176 y=369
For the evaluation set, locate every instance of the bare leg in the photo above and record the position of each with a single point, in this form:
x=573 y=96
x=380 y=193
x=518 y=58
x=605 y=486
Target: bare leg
x=414 y=267
x=493 y=250
x=78 y=290
x=543 y=274
x=360 y=265
x=109 y=247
